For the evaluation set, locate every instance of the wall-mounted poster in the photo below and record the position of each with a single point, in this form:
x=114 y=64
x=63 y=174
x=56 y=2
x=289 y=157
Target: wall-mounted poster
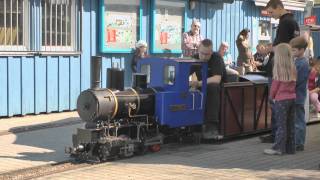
x=120 y=25
x=167 y=26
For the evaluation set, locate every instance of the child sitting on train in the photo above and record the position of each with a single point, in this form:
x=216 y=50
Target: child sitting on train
x=283 y=94
x=314 y=84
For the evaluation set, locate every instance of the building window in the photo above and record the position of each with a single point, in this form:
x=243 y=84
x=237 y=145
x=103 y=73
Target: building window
x=169 y=75
x=13 y=25
x=264 y=31
x=145 y=69
x=59 y=22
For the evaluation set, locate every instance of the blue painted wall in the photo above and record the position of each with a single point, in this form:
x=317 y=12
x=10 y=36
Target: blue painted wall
x=316 y=35
x=36 y=84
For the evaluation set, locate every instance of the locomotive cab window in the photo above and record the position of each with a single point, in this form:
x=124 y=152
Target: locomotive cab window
x=146 y=69
x=169 y=74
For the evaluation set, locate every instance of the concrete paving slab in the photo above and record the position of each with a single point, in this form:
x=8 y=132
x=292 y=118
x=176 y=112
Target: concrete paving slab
x=35 y=148
x=234 y=160
x=7 y=124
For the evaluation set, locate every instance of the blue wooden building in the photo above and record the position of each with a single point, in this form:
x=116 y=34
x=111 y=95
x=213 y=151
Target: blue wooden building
x=316 y=35
x=46 y=45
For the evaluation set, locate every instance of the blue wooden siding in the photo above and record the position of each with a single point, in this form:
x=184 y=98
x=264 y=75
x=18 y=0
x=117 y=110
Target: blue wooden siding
x=27 y=87
x=316 y=35
x=3 y=86
x=37 y=84
x=40 y=84
x=14 y=85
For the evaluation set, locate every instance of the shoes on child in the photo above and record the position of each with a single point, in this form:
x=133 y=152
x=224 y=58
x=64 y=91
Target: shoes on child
x=272 y=152
x=300 y=148
x=267 y=139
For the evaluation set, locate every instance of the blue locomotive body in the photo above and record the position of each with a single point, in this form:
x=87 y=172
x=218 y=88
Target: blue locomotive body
x=177 y=105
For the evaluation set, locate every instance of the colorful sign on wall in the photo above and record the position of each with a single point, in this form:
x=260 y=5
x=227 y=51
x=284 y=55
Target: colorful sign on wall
x=120 y=25
x=168 y=26
x=311 y=20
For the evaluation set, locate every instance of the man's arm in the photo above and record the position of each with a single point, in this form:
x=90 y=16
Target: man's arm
x=216 y=79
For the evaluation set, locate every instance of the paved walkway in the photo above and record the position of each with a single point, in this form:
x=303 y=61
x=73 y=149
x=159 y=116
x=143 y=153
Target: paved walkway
x=35 y=147
x=10 y=124
x=233 y=160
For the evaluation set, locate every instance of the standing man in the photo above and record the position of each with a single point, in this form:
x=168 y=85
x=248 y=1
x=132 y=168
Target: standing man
x=216 y=75
x=287 y=29
x=191 y=40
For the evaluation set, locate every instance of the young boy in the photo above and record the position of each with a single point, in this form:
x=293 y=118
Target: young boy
x=299 y=45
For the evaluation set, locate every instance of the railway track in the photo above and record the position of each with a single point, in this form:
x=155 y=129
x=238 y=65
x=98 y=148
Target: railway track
x=44 y=170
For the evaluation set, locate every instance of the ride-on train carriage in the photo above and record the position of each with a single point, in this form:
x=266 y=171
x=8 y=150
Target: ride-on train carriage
x=122 y=123
x=160 y=104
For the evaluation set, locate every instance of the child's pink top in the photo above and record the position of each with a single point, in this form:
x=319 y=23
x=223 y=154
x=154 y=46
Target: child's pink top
x=283 y=90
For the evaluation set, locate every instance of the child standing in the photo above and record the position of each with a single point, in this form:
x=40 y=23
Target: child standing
x=299 y=45
x=283 y=94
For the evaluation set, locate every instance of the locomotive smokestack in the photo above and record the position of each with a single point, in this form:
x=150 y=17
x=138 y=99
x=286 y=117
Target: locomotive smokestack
x=139 y=80
x=95 y=71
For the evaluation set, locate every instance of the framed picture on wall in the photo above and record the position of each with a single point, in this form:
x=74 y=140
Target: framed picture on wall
x=265 y=32
x=119 y=25
x=168 y=24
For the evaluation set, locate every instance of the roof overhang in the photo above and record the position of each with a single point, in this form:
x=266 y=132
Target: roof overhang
x=218 y=1
x=312 y=28
x=288 y=4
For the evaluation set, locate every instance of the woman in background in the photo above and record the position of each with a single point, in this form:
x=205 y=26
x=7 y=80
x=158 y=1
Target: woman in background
x=244 y=54
x=139 y=52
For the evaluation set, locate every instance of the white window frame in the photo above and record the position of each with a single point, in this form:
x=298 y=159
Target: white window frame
x=25 y=42
x=74 y=32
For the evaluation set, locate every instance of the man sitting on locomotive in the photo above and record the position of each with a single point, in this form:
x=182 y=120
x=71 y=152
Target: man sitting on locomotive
x=216 y=76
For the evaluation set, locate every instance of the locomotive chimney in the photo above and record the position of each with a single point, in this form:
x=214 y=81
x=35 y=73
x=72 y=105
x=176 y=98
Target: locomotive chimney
x=95 y=71
x=139 y=80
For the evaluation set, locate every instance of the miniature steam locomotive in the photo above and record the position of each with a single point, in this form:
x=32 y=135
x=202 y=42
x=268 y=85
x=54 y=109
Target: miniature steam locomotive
x=160 y=104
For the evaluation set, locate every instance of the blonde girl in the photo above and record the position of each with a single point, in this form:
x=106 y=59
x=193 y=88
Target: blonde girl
x=283 y=93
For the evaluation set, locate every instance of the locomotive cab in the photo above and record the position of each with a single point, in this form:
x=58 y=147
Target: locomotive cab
x=177 y=105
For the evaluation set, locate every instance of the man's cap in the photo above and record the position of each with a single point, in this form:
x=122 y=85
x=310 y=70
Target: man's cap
x=141 y=43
